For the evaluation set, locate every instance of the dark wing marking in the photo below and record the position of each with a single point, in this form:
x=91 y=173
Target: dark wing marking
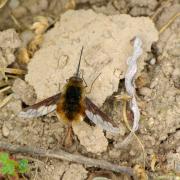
x=98 y=117
x=42 y=108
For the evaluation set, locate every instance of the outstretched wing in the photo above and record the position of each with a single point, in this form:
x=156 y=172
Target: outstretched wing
x=42 y=108
x=99 y=118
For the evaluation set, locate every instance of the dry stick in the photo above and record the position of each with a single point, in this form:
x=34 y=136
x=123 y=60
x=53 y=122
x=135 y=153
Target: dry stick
x=171 y=20
x=2 y=3
x=130 y=129
x=13 y=71
x=5 y=89
x=60 y=154
x=160 y=9
x=124 y=99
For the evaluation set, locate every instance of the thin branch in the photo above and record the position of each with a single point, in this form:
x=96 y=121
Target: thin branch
x=60 y=154
x=5 y=89
x=171 y=20
x=13 y=71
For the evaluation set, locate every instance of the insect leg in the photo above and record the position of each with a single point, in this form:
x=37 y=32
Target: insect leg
x=88 y=92
x=68 y=141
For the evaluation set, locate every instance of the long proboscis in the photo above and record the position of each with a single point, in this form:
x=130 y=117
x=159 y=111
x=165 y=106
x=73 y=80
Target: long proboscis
x=77 y=72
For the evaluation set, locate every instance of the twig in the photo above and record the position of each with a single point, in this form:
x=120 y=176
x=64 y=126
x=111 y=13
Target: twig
x=60 y=154
x=13 y=71
x=160 y=9
x=2 y=3
x=5 y=89
x=124 y=99
x=16 y=22
x=4 y=83
x=129 y=128
x=171 y=20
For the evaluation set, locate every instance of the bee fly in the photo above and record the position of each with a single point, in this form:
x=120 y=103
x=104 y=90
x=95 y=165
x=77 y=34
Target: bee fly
x=72 y=106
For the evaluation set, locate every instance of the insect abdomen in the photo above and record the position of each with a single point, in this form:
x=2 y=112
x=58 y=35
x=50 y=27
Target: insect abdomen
x=70 y=107
x=71 y=104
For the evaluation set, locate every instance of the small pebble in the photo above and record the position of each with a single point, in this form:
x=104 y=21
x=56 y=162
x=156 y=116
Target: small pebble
x=153 y=61
x=5 y=130
x=26 y=36
x=132 y=153
x=51 y=140
x=151 y=122
x=13 y=4
x=154 y=83
x=19 y=11
x=145 y=91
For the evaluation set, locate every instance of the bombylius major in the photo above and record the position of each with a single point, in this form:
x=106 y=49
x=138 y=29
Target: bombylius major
x=71 y=106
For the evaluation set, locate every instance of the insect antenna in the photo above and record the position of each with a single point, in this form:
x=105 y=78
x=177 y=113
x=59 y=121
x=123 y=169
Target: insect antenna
x=77 y=72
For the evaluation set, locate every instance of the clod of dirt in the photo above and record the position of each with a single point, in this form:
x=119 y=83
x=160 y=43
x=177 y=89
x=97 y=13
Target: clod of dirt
x=75 y=172
x=90 y=136
x=24 y=91
x=106 y=41
x=54 y=169
x=173 y=161
x=9 y=41
x=140 y=7
x=14 y=106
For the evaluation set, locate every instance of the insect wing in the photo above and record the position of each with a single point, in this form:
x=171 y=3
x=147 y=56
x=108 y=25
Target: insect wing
x=99 y=118
x=42 y=108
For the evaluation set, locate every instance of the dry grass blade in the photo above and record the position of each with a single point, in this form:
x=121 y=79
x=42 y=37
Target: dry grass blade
x=13 y=71
x=2 y=3
x=171 y=20
x=5 y=89
x=5 y=100
x=126 y=98
x=63 y=155
x=4 y=83
x=2 y=71
x=129 y=128
x=153 y=162
x=160 y=9
x=16 y=22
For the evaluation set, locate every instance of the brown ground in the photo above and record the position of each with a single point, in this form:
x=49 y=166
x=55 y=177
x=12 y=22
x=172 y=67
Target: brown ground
x=157 y=92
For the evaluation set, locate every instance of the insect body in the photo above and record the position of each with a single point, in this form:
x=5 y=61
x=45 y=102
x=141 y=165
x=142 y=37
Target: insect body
x=72 y=106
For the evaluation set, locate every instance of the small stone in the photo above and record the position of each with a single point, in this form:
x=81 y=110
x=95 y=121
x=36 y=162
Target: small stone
x=19 y=11
x=145 y=91
x=154 y=83
x=26 y=36
x=153 y=61
x=5 y=130
x=51 y=140
x=151 y=122
x=13 y=4
x=132 y=153
x=114 y=153
x=9 y=39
